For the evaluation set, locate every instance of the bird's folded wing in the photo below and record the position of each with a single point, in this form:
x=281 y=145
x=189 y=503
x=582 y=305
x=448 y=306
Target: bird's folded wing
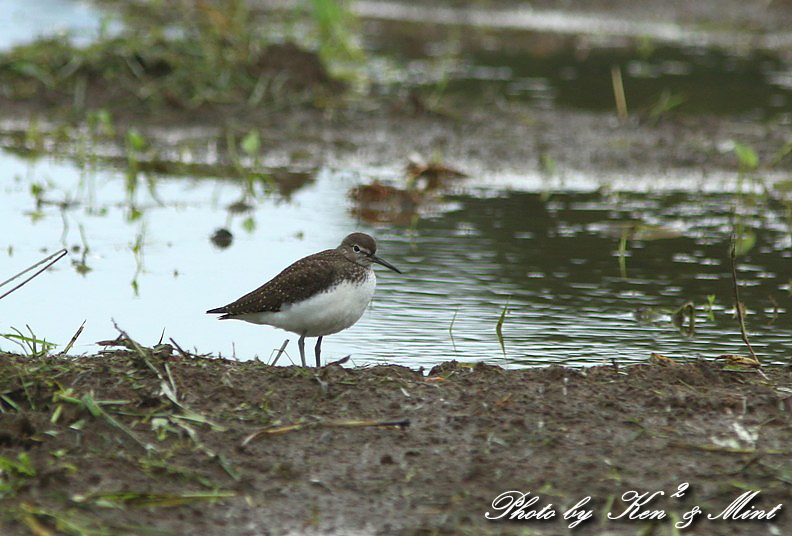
x=294 y=284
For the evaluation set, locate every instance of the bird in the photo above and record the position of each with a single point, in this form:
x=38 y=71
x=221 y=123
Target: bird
x=316 y=296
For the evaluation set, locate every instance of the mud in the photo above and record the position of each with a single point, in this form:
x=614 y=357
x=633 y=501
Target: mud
x=151 y=441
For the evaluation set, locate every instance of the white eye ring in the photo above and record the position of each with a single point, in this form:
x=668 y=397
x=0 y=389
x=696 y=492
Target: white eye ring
x=356 y=248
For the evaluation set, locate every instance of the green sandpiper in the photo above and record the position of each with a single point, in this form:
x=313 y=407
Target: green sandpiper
x=318 y=295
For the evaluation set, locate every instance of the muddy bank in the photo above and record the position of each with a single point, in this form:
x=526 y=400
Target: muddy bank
x=196 y=97
x=150 y=441
x=512 y=138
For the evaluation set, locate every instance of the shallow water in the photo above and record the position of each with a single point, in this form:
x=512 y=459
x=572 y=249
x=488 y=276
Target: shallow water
x=548 y=253
x=543 y=252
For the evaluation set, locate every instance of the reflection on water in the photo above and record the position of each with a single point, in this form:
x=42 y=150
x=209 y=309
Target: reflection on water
x=550 y=256
x=567 y=62
x=556 y=264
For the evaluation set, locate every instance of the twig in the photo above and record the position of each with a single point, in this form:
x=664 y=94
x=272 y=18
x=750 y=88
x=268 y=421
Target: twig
x=73 y=339
x=737 y=306
x=334 y=423
x=499 y=326
x=618 y=93
x=451 y=328
x=97 y=411
x=338 y=362
x=775 y=308
x=179 y=348
x=731 y=450
x=172 y=383
x=58 y=256
x=139 y=350
x=678 y=319
x=746 y=465
x=277 y=356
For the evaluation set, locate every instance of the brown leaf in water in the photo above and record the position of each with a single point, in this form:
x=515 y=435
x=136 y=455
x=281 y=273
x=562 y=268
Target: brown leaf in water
x=433 y=171
x=377 y=202
x=739 y=360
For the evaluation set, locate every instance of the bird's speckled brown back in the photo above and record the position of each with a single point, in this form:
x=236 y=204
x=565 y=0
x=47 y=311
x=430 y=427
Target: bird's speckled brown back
x=296 y=283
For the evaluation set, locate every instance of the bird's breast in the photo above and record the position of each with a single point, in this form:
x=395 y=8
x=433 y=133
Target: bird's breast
x=324 y=313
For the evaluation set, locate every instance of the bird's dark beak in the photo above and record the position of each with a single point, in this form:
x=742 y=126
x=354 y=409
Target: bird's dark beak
x=385 y=263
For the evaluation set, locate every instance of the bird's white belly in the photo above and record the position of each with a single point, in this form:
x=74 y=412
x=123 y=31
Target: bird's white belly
x=322 y=314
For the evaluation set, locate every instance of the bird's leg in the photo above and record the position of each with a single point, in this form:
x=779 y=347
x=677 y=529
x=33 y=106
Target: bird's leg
x=301 y=346
x=318 y=350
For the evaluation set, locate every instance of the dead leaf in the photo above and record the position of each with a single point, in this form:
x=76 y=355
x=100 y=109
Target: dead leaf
x=433 y=171
x=658 y=359
x=504 y=401
x=739 y=360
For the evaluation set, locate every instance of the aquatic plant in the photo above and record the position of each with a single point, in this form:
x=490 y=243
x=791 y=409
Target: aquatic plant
x=499 y=326
x=737 y=303
x=335 y=23
x=710 y=303
x=744 y=238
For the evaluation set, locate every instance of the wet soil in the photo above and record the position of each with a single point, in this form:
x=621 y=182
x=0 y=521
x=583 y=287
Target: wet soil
x=480 y=139
x=157 y=442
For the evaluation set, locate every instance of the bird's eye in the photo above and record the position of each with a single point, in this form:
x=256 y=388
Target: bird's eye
x=356 y=248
